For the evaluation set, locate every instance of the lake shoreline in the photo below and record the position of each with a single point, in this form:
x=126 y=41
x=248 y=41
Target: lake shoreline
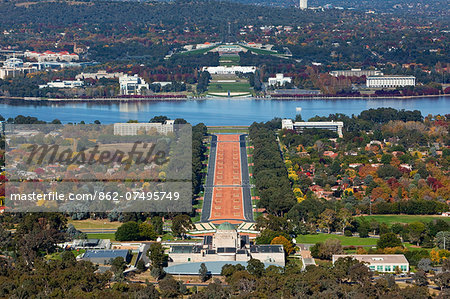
x=181 y=98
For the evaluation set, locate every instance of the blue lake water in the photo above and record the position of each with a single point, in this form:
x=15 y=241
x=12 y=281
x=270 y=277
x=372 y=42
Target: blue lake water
x=215 y=111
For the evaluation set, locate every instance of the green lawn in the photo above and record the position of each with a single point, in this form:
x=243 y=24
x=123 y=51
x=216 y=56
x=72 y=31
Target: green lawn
x=167 y=236
x=260 y=51
x=58 y=255
x=102 y=236
x=391 y=219
x=198 y=51
x=345 y=241
x=94 y=224
x=228 y=130
x=232 y=87
x=229 y=60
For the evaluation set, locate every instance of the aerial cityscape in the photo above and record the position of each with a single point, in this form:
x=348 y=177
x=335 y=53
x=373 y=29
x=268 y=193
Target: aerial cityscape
x=225 y=149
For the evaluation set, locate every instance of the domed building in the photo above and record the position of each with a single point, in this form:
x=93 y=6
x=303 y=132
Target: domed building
x=225 y=246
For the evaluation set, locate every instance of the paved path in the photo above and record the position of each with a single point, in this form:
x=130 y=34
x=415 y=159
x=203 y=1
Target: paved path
x=227 y=188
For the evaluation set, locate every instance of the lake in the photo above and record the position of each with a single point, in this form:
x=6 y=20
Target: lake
x=214 y=112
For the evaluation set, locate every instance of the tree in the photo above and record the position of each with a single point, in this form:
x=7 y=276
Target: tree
x=442 y=280
x=5 y=238
x=387 y=171
x=342 y=267
x=364 y=228
x=287 y=245
x=157 y=259
x=386 y=159
x=170 y=288
x=326 y=219
x=141 y=266
x=424 y=265
x=446 y=265
x=146 y=231
x=316 y=250
x=360 y=273
x=420 y=278
x=214 y=290
x=158 y=119
x=416 y=230
x=203 y=272
x=157 y=224
x=345 y=218
x=255 y=267
x=330 y=247
x=441 y=238
x=128 y=231
x=228 y=270
x=326 y=249
x=389 y=240
x=181 y=224
x=118 y=265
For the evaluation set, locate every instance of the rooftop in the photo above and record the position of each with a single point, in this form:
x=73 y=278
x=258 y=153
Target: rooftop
x=215 y=268
x=375 y=258
x=107 y=253
x=266 y=248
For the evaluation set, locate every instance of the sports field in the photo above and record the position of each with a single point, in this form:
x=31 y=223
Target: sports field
x=227 y=201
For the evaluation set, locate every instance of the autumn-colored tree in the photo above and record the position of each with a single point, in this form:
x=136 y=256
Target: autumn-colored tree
x=287 y=245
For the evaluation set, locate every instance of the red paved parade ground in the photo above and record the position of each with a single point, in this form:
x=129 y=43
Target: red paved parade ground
x=227 y=204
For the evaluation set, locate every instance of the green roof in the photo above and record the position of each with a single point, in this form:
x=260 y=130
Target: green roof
x=226 y=226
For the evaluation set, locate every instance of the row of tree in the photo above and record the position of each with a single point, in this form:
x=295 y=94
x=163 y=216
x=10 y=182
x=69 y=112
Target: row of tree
x=269 y=171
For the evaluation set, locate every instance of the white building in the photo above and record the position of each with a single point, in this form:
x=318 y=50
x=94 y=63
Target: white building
x=52 y=56
x=131 y=85
x=13 y=63
x=225 y=246
x=63 y=84
x=15 y=66
x=356 y=73
x=279 y=79
x=98 y=75
x=379 y=262
x=131 y=129
x=303 y=4
x=229 y=70
x=335 y=126
x=390 y=81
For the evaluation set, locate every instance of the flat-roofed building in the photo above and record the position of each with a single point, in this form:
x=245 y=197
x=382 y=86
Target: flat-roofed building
x=89 y=244
x=98 y=75
x=335 y=126
x=356 y=73
x=15 y=66
x=63 y=84
x=132 y=129
x=104 y=257
x=390 y=81
x=379 y=262
x=229 y=70
x=132 y=85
